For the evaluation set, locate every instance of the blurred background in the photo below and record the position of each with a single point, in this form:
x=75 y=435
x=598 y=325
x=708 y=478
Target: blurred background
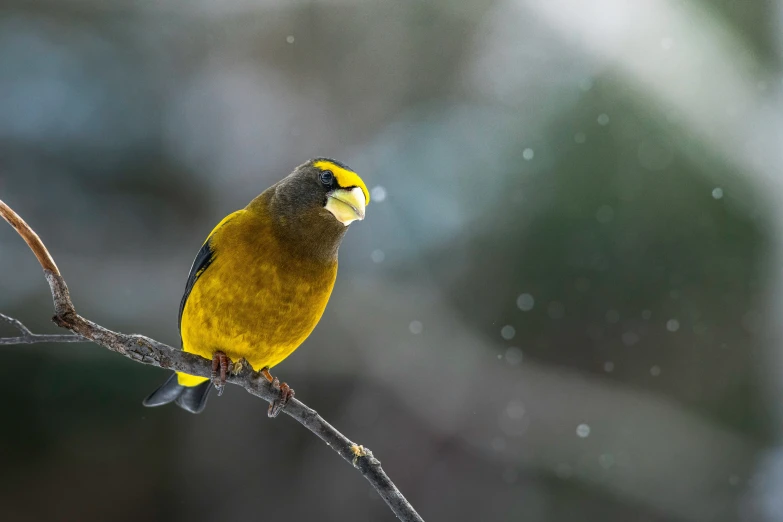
x=565 y=300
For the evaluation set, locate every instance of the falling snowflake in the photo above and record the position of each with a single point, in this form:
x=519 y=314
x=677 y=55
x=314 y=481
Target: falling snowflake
x=378 y=194
x=525 y=302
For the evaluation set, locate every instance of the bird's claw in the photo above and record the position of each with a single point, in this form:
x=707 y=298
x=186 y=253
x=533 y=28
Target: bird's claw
x=286 y=394
x=220 y=363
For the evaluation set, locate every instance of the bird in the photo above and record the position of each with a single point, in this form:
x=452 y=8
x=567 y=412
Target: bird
x=262 y=279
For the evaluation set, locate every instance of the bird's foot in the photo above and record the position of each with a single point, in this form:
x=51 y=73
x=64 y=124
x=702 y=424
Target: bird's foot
x=286 y=393
x=220 y=362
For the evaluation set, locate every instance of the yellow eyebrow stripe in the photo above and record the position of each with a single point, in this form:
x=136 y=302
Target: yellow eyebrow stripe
x=345 y=178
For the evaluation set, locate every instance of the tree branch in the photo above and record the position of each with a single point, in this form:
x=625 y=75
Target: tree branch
x=149 y=351
x=29 y=337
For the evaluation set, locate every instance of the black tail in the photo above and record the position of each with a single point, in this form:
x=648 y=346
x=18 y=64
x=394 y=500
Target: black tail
x=189 y=398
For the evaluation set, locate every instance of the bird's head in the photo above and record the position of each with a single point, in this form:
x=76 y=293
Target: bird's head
x=312 y=207
x=328 y=187
x=345 y=195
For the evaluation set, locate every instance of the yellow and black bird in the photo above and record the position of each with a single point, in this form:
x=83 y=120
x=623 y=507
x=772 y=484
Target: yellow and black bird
x=261 y=280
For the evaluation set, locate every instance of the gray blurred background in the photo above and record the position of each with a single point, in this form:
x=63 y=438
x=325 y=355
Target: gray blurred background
x=565 y=300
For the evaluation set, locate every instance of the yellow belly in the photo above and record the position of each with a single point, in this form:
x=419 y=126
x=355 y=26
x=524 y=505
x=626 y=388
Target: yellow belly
x=255 y=300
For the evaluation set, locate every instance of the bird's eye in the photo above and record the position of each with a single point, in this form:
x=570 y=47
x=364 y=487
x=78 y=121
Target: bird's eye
x=327 y=177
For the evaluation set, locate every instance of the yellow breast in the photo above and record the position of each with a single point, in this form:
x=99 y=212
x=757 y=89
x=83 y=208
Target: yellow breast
x=257 y=299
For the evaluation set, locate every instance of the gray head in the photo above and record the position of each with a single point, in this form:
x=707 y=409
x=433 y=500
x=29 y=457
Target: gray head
x=313 y=206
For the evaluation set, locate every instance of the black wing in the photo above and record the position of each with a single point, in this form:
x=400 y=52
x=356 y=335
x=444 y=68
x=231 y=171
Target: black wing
x=203 y=259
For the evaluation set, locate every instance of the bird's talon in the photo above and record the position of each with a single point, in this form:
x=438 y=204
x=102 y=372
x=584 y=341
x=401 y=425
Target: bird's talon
x=286 y=394
x=220 y=363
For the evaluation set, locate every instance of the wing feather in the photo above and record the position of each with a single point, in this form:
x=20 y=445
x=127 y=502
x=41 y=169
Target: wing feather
x=204 y=258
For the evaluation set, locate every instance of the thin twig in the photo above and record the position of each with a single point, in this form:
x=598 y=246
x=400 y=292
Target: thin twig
x=149 y=351
x=29 y=337
x=30 y=237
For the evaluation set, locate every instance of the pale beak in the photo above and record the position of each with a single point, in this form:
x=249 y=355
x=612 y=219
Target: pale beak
x=347 y=206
